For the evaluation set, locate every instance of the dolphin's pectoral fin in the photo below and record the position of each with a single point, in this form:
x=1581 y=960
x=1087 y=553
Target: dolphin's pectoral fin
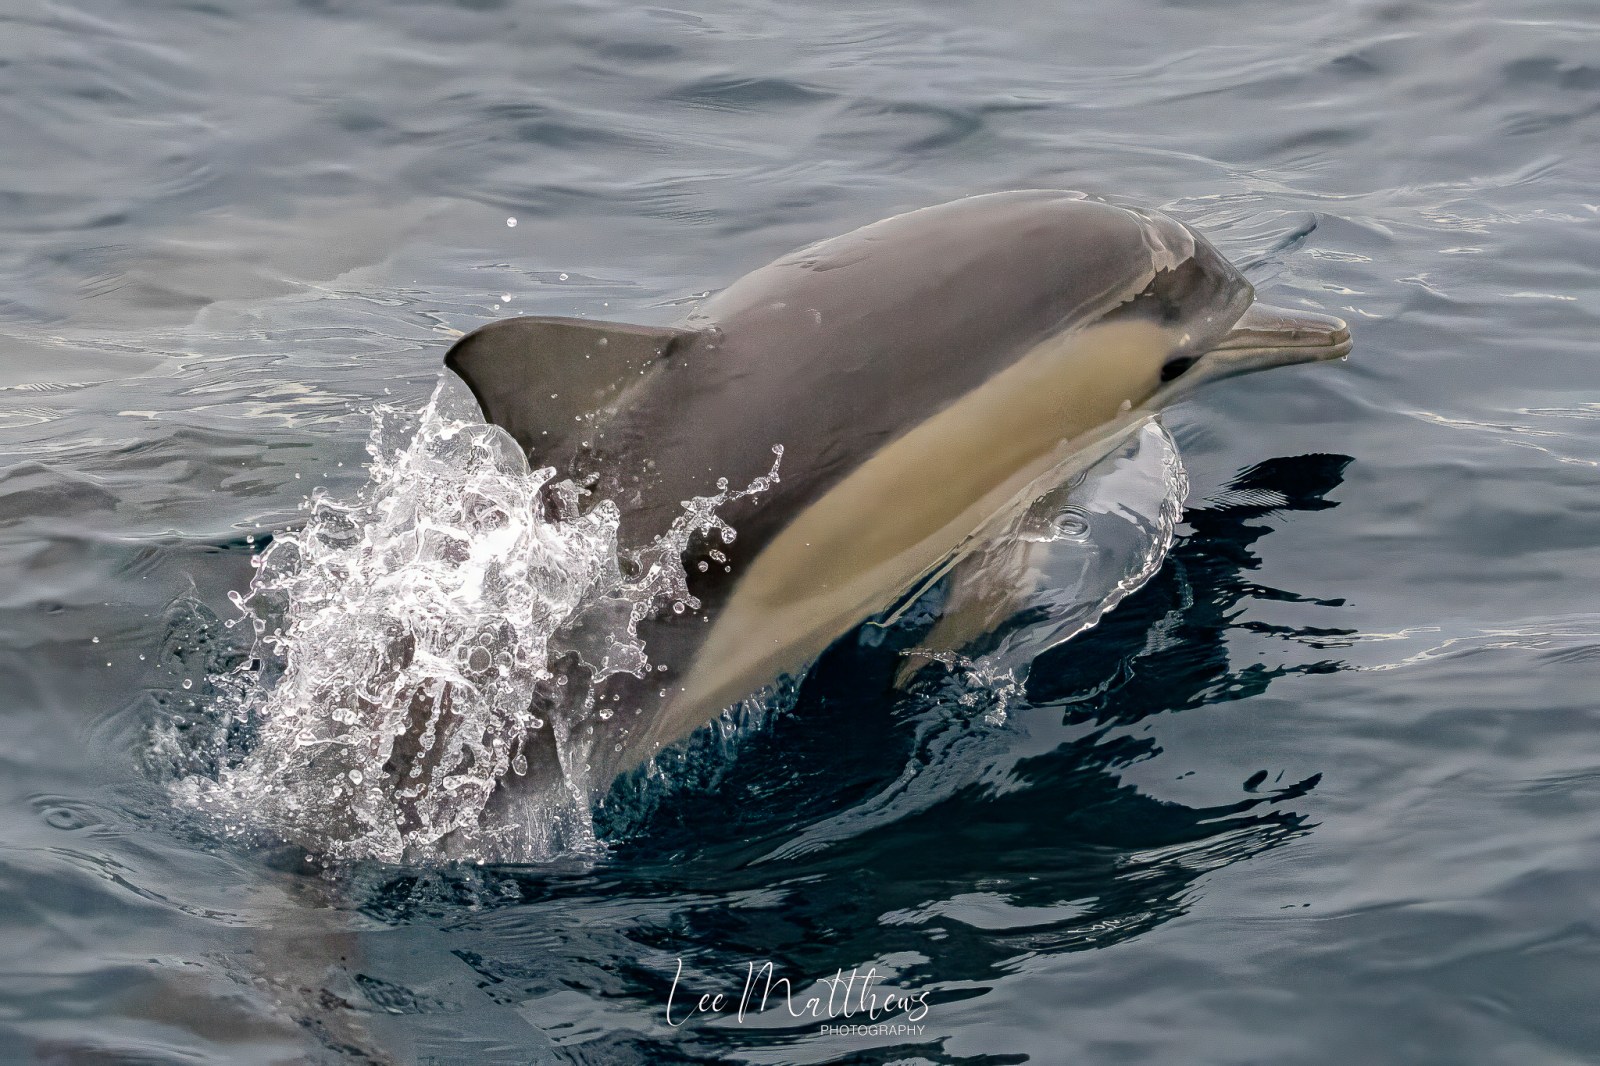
x=533 y=376
x=986 y=588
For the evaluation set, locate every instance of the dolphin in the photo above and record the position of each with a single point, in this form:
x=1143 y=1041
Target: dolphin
x=920 y=375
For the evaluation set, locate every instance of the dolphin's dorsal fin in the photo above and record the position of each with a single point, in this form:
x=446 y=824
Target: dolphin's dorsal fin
x=533 y=376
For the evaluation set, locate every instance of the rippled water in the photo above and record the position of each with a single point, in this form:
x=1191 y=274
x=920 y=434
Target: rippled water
x=1323 y=790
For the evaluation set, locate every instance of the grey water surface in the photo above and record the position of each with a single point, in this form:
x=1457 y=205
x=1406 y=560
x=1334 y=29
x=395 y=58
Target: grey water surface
x=1326 y=790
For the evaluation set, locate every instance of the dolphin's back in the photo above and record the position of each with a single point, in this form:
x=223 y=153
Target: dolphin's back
x=836 y=349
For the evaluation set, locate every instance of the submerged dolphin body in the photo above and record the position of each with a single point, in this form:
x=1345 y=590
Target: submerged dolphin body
x=919 y=374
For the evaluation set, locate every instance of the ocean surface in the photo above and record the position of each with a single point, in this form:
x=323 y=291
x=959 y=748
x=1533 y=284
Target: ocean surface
x=1326 y=789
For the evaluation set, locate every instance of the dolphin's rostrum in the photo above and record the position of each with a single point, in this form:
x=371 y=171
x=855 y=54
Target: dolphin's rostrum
x=920 y=374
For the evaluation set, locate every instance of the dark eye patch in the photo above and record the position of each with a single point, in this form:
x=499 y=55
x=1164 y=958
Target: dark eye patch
x=1175 y=367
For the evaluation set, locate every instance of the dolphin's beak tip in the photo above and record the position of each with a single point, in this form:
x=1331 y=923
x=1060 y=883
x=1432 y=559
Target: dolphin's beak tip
x=1339 y=342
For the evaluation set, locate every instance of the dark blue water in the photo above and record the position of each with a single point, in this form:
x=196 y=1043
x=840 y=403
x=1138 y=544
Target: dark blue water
x=1323 y=791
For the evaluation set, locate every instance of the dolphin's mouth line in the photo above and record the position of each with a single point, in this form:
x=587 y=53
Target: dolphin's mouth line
x=1315 y=349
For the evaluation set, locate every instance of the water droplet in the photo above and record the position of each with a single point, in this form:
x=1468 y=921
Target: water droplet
x=511 y=222
x=186 y=682
x=677 y=607
x=505 y=298
x=94 y=640
x=1070 y=522
x=563 y=277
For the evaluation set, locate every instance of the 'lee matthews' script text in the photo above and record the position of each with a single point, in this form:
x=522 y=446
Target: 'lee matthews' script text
x=847 y=996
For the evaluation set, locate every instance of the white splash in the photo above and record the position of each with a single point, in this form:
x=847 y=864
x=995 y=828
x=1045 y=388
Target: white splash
x=407 y=644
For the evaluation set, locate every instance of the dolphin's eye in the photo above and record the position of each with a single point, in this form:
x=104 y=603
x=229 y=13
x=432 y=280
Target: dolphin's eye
x=1175 y=367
